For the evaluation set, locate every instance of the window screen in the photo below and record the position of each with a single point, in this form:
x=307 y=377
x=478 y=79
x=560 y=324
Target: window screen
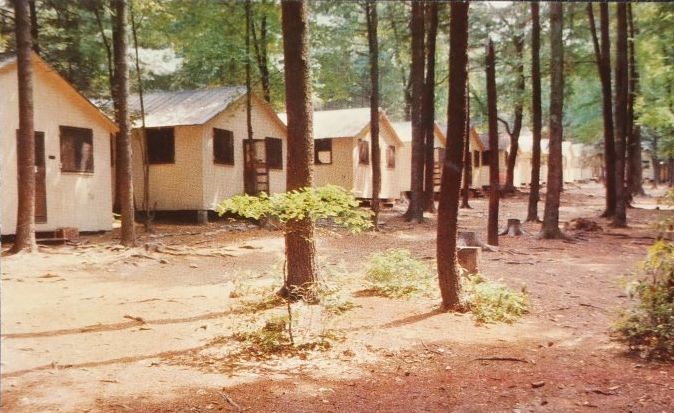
x=160 y=144
x=323 y=151
x=77 y=149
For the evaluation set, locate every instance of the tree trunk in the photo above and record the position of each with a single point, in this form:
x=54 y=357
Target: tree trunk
x=519 y=112
x=261 y=53
x=550 y=227
x=25 y=146
x=428 y=107
x=635 y=173
x=467 y=158
x=415 y=211
x=373 y=43
x=34 y=26
x=121 y=95
x=534 y=192
x=655 y=160
x=299 y=235
x=492 y=114
x=603 y=58
x=620 y=113
x=457 y=117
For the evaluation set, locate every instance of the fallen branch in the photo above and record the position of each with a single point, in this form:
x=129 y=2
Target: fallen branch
x=230 y=401
x=499 y=358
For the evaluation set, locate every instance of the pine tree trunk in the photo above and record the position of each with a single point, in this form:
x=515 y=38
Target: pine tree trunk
x=603 y=57
x=620 y=113
x=492 y=114
x=415 y=211
x=428 y=108
x=467 y=158
x=635 y=172
x=25 y=146
x=299 y=234
x=373 y=43
x=457 y=117
x=534 y=192
x=34 y=26
x=519 y=113
x=121 y=95
x=261 y=54
x=550 y=227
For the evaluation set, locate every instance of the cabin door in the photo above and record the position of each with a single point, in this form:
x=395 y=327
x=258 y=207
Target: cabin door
x=256 y=170
x=40 y=178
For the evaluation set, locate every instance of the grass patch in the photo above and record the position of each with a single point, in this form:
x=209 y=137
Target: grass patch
x=492 y=301
x=396 y=274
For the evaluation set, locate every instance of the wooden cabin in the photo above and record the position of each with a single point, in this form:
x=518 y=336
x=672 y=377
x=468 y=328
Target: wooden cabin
x=404 y=131
x=342 y=154
x=481 y=154
x=197 y=150
x=72 y=153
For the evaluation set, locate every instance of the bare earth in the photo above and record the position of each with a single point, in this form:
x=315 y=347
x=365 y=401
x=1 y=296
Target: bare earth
x=104 y=329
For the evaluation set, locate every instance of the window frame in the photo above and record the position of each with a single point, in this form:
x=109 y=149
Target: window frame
x=363 y=152
x=85 y=134
x=148 y=137
x=228 y=137
x=317 y=143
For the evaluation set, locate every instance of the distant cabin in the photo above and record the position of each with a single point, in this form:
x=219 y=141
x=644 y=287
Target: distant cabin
x=482 y=152
x=72 y=153
x=342 y=154
x=197 y=149
x=404 y=131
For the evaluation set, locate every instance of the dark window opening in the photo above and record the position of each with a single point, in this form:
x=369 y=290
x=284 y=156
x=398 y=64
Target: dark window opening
x=274 y=152
x=476 y=158
x=363 y=152
x=223 y=146
x=160 y=145
x=77 y=149
x=391 y=156
x=323 y=151
x=485 y=157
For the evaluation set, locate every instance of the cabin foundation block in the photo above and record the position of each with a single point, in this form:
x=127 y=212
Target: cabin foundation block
x=469 y=258
x=202 y=217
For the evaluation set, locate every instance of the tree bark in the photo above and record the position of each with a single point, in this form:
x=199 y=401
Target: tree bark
x=492 y=114
x=635 y=172
x=373 y=44
x=457 y=117
x=428 y=107
x=620 y=113
x=603 y=57
x=25 y=146
x=299 y=234
x=550 y=228
x=261 y=54
x=534 y=192
x=121 y=95
x=415 y=211
x=519 y=113
x=34 y=26
x=467 y=158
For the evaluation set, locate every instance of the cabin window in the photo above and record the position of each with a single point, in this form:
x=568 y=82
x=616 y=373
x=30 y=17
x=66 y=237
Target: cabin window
x=390 y=156
x=161 y=145
x=476 y=158
x=274 y=152
x=223 y=146
x=323 y=151
x=363 y=152
x=485 y=157
x=77 y=149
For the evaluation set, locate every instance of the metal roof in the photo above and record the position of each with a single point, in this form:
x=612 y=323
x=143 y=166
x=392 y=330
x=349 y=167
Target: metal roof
x=187 y=107
x=339 y=123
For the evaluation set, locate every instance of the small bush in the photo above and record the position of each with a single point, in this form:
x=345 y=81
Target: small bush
x=648 y=327
x=491 y=301
x=395 y=273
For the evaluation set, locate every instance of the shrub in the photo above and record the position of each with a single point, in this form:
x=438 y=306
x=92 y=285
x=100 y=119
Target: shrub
x=648 y=327
x=492 y=301
x=395 y=273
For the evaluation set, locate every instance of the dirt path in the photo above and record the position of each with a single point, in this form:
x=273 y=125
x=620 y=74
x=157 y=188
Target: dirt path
x=97 y=328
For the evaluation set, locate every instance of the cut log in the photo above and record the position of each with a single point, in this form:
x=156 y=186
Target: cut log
x=469 y=258
x=514 y=228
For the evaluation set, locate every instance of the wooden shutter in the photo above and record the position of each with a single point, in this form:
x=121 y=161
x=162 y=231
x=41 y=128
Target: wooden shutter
x=274 y=152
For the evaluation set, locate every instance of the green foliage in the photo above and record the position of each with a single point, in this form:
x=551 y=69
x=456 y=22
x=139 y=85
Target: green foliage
x=395 y=273
x=648 y=327
x=491 y=301
x=328 y=202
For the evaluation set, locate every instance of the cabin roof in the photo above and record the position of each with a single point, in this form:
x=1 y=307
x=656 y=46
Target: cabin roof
x=338 y=123
x=503 y=141
x=186 y=107
x=404 y=131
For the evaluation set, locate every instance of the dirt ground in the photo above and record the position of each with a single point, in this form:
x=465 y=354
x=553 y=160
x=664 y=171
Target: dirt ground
x=99 y=328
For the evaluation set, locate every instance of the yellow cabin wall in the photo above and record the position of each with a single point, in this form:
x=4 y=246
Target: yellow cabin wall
x=362 y=174
x=340 y=171
x=81 y=200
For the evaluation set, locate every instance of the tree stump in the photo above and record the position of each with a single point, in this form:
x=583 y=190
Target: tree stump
x=514 y=228
x=467 y=239
x=469 y=258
